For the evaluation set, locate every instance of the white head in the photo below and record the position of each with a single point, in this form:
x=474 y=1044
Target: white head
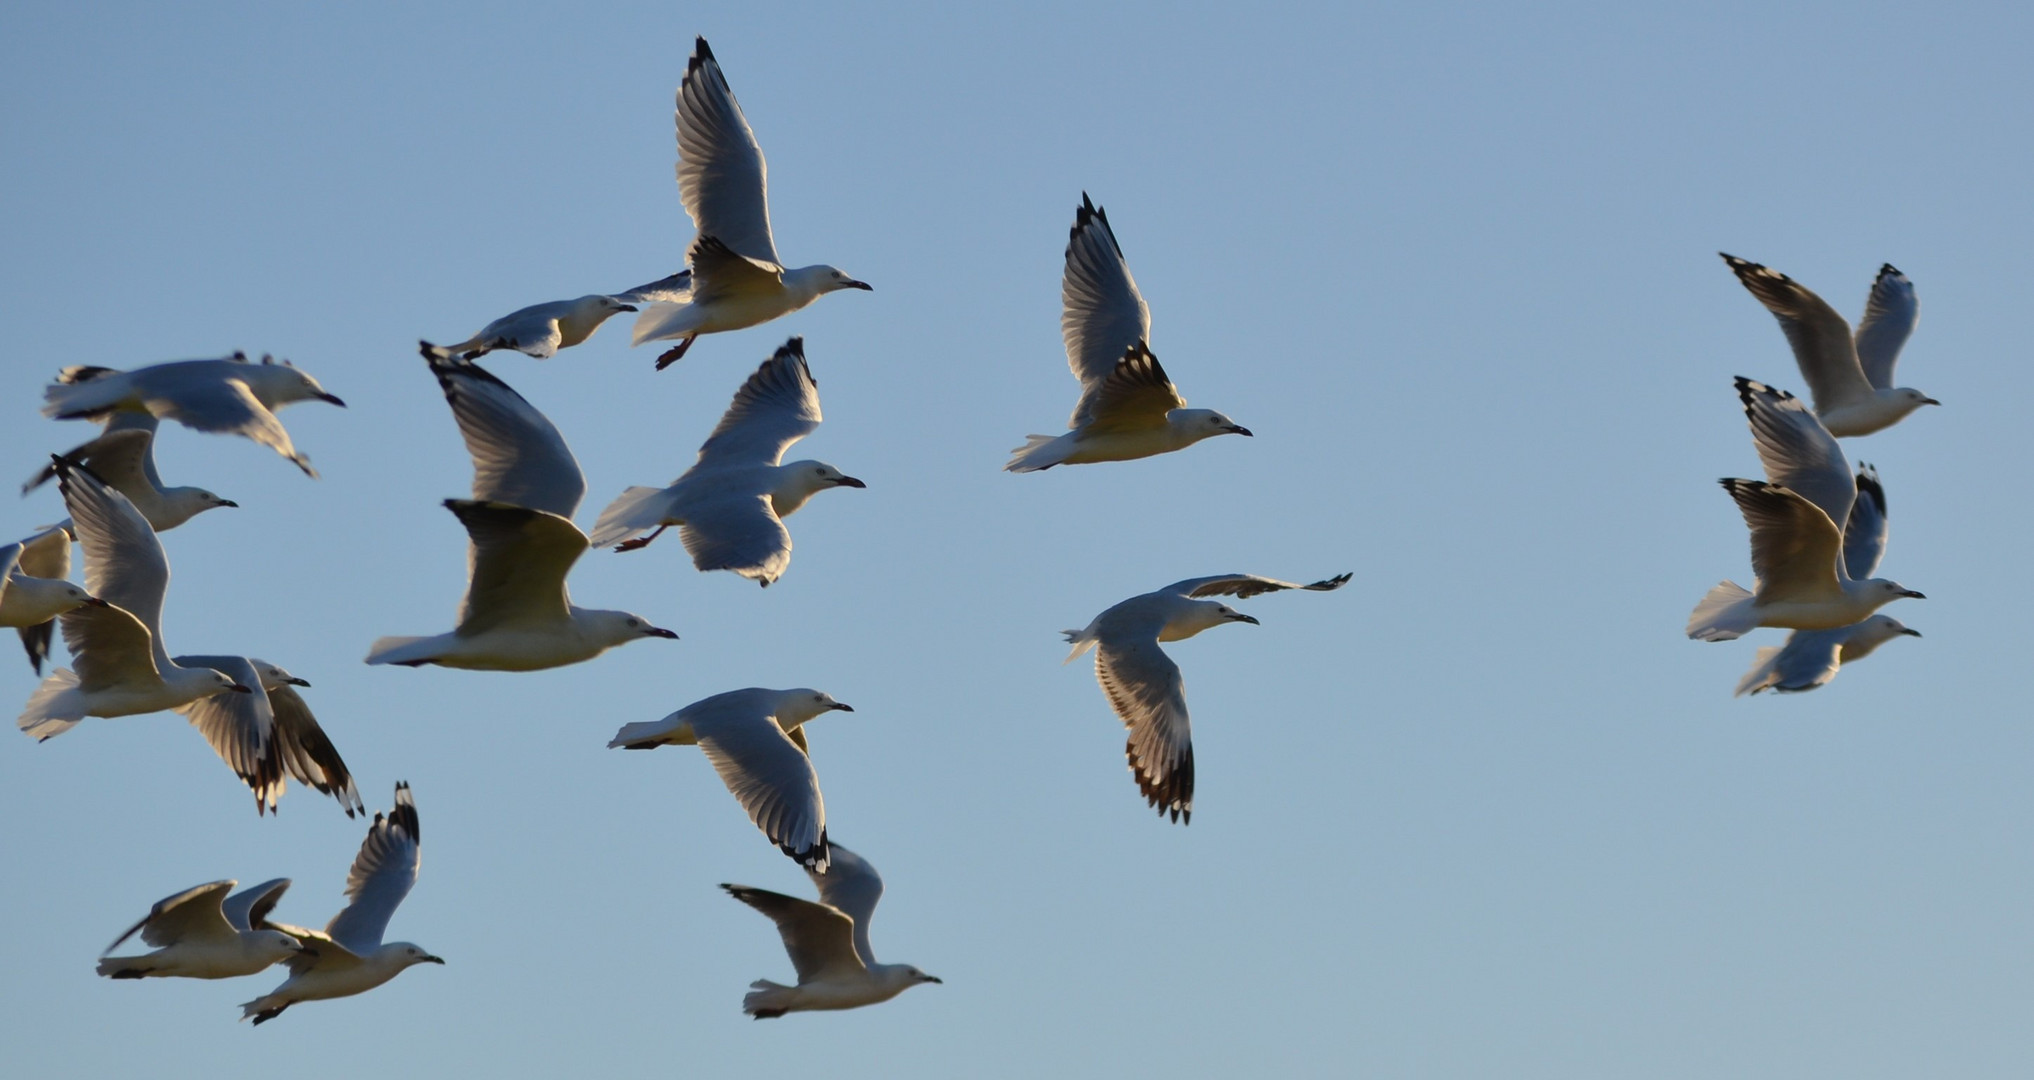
x=1880 y=591
x=282 y=383
x=185 y=503
x=402 y=954
x=1193 y=425
x=612 y=628
x=898 y=978
x=208 y=681
x=1908 y=399
x=795 y=707
x=273 y=676
x=801 y=480
x=600 y=305
x=273 y=945
x=1193 y=616
x=1872 y=633
x=820 y=280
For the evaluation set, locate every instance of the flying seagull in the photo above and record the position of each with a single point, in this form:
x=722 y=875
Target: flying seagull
x=201 y=933
x=229 y=396
x=540 y=330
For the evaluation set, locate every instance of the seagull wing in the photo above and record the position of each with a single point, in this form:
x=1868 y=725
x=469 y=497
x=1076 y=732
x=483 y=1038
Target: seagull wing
x=772 y=779
x=47 y=554
x=1794 y=545
x=1245 y=586
x=1864 y=535
x=1890 y=315
x=124 y=562
x=1144 y=687
x=109 y=648
x=518 y=455
x=382 y=875
x=776 y=407
x=853 y=886
x=307 y=753
x=1797 y=451
x=239 y=727
x=819 y=938
x=1821 y=339
x=248 y=909
x=1135 y=396
x=220 y=406
x=676 y=289
x=741 y=533
x=519 y=558
x=721 y=175
x=191 y=915
x=1102 y=312
x=719 y=271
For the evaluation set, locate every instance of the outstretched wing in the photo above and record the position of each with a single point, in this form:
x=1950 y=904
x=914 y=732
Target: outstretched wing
x=191 y=915
x=1890 y=315
x=776 y=407
x=772 y=779
x=519 y=457
x=676 y=289
x=1145 y=688
x=1794 y=545
x=382 y=875
x=1102 y=313
x=1135 y=396
x=307 y=752
x=1797 y=451
x=853 y=886
x=239 y=727
x=1820 y=337
x=721 y=175
x=818 y=937
x=519 y=561
x=1245 y=586
x=248 y=909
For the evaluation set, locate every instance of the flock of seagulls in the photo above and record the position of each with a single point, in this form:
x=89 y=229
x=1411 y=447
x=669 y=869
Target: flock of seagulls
x=1818 y=530
x=730 y=508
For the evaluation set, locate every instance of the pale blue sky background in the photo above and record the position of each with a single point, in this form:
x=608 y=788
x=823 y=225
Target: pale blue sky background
x=1485 y=812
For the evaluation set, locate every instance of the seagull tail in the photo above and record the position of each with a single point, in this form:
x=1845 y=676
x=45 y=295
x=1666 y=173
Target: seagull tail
x=767 y=999
x=650 y=734
x=263 y=1009
x=1762 y=675
x=634 y=512
x=410 y=651
x=1724 y=614
x=1038 y=452
x=84 y=391
x=664 y=320
x=125 y=967
x=1081 y=640
x=54 y=708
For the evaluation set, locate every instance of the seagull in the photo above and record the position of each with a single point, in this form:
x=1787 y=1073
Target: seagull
x=349 y=957
x=540 y=330
x=1144 y=685
x=737 y=279
x=116 y=644
x=269 y=734
x=517 y=615
x=1851 y=375
x=828 y=942
x=201 y=933
x=124 y=457
x=732 y=502
x=1810 y=658
x=228 y=396
x=1129 y=408
x=756 y=741
x=33 y=589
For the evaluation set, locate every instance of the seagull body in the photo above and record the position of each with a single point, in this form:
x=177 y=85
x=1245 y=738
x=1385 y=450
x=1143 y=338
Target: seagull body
x=1798 y=551
x=1144 y=685
x=34 y=589
x=518 y=615
x=201 y=933
x=754 y=741
x=828 y=942
x=540 y=330
x=124 y=457
x=227 y=396
x=349 y=957
x=116 y=644
x=737 y=279
x=1129 y=408
x=269 y=735
x=732 y=502
x=1850 y=374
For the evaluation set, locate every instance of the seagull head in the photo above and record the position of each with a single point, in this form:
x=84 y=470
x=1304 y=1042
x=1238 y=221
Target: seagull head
x=408 y=955
x=1914 y=399
x=798 y=706
x=1230 y=614
x=273 y=676
x=801 y=480
x=1198 y=424
x=834 y=280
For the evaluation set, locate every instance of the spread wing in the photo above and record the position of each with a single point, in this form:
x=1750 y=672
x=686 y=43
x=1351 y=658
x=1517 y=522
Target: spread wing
x=248 y=909
x=1864 y=535
x=776 y=407
x=191 y=915
x=221 y=406
x=124 y=562
x=519 y=559
x=1820 y=337
x=852 y=886
x=772 y=779
x=239 y=727
x=109 y=648
x=1102 y=313
x=1797 y=451
x=819 y=938
x=382 y=875
x=741 y=533
x=1794 y=545
x=718 y=271
x=1890 y=315
x=1245 y=586
x=1144 y=687
x=721 y=176
x=1134 y=396
x=307 y=753
x=519 y=457
x=676 y=289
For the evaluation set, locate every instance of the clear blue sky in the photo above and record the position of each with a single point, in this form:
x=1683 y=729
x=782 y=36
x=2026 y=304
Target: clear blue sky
x=1485 y=812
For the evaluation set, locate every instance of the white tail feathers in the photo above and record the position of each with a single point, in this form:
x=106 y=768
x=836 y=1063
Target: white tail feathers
x=650 y=734
x=1034 y=455
x=95 y=391
x=631 y=514
x=766 y=998
x=1724 y=614
x=55 y=707
x=1081 y=641
x=123 y=967
x=399 y=650
x=1761 y=676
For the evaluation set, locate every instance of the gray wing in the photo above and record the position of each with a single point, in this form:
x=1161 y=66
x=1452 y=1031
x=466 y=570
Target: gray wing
x=9 y=557
x=1102 y=313
x=191 y=915
x=1864 y=535
x=123 y=456
x=1809 y=659
x=1820 y=337
x=47 y=554
x=676 y=289
x=248 y=909
x=124 y=562
x=532 y=330
x=1890 y=315
x=1134 y=396
x=818 y=938
x=1245 y=586
x=1794 y=545
x=741 y=533
x=772 y=779
x=718 y=271
x=382 y=875
x=307 y=753
x=109 y=648
x=519 y=558
x=1144 y=687
x=239 y=727
x=1797 y=452
x=199 y=396
x=518 y=455
x=721 y=176
x=776 y=407
x=852 y=886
